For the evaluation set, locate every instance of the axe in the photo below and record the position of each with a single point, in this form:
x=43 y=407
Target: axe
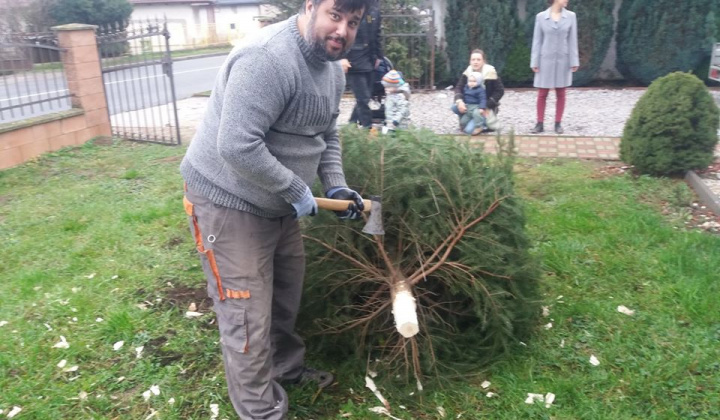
x=374 y=225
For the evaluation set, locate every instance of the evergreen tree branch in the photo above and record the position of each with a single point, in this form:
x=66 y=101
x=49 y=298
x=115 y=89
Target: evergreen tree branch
x=451 y=241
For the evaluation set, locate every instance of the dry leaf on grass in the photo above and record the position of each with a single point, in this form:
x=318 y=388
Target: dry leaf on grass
x=532 y=397
x=383 y=410
x=625 y=310
x=14 y=412
x=62 y=344
x=549 y=398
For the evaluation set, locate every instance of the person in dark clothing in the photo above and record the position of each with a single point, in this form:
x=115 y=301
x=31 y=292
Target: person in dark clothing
x=494 y=88
x=364 y=57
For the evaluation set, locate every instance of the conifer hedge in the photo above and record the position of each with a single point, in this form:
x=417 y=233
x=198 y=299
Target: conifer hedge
x=673 y=127
x=656 y=37
x=455 y=229
x=486 y=24
x=595 y=31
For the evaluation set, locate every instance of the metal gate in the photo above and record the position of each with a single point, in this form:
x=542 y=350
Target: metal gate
x=409 y=42
x=139 y=86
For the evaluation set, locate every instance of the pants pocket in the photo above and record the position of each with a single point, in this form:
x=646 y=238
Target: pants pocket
x=232 y=322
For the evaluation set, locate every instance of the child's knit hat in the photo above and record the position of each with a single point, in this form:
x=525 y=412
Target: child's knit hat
x=393 y=78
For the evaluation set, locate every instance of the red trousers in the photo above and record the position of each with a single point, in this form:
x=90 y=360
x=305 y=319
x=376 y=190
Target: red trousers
x=559 y=105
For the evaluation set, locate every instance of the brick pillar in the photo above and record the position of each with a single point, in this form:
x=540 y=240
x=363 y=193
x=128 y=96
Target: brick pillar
x=84 y=78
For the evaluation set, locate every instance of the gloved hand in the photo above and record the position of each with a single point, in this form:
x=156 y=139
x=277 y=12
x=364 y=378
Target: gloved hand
x=306 y=206
x=344 y=193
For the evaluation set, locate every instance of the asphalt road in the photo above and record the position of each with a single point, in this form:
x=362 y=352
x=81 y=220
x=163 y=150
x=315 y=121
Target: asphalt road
x=127 y=89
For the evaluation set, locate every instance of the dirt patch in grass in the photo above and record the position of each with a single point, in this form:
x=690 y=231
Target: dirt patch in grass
x=173 y=242
x=695 y=216
x=610 y=170
x=183 y=296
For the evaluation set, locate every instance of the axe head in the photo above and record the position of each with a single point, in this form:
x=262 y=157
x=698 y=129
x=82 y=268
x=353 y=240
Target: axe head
x=374 y=225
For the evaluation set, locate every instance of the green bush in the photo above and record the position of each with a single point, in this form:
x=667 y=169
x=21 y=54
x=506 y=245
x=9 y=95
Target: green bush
x=655 y=37
x=595 y=31
x=517 y=68
x=673 y=127
x=475 y=288
x=486 y=24
x=93 y=12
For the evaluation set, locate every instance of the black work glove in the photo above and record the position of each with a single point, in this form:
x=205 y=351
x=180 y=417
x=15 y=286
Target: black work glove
x=343 y=193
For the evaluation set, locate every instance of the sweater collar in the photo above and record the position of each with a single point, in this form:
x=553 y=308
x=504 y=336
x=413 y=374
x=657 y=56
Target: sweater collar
x=307 y=51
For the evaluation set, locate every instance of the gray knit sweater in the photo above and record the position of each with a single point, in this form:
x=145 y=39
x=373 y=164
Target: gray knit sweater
x=270 y=126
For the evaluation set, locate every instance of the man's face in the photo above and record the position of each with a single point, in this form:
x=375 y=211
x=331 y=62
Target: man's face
x=476 y=61
x=331 y=32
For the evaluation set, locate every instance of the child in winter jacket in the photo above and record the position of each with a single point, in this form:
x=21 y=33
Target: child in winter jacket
x=474 y=96
x=397 y=101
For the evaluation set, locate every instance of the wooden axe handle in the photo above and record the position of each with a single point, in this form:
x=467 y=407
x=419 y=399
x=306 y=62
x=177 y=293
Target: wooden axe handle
x=339 y=205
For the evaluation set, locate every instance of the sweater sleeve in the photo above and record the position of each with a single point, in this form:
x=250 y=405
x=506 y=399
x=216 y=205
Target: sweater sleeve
x=377 y=36
x=495 y=91
x=459 y=87
x=573 y=43
x=251 y=105
x=537 y=41
x=482 y=99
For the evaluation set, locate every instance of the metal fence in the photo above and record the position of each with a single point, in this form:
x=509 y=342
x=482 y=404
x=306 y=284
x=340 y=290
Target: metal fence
x=409 y=42
x=32 y=78
x=139 y=82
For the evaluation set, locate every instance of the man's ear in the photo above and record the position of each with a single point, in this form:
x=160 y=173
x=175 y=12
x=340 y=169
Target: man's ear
x=308 y=7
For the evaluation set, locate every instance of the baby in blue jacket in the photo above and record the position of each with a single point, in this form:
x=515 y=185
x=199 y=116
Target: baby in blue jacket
x=473 y=121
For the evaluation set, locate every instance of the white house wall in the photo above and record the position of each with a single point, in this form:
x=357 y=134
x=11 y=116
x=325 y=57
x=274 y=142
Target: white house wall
x=234 y=23
x=190 y=27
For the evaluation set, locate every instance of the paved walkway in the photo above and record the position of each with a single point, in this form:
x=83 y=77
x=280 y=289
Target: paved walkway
x=605 y=148
x=190 y=112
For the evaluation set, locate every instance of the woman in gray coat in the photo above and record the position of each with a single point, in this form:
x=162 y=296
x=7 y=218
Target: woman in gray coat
x=554 y=58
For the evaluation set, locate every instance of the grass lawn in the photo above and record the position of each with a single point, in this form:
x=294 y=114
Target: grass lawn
x=94 y=247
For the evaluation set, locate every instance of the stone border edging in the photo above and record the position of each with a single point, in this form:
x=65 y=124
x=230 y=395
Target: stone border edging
x=29 y=122
x=703 y=191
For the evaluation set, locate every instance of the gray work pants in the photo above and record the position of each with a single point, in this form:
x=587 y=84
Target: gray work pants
x=254 y=268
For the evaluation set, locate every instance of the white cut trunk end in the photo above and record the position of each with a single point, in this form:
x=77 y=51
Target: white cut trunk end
x=405 y=311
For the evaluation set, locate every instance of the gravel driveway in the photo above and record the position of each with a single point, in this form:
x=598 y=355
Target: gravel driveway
x=588 y=112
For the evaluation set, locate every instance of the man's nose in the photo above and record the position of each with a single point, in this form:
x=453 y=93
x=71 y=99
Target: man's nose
x=342 y=29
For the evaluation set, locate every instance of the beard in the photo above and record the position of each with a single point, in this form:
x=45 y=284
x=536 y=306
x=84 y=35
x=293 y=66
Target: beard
x=318 y=45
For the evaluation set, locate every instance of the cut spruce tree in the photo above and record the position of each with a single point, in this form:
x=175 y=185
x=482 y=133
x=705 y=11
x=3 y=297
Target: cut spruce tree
x=455 y=240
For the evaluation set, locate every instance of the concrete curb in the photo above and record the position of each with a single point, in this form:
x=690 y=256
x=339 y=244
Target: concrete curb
x=193 y=57
x=704 y=193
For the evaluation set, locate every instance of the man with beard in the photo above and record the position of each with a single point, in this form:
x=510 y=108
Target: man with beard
x=268 y=131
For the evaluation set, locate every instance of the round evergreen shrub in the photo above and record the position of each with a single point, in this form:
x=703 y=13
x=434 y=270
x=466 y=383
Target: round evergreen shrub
x=673 y=127
x=454 y=230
